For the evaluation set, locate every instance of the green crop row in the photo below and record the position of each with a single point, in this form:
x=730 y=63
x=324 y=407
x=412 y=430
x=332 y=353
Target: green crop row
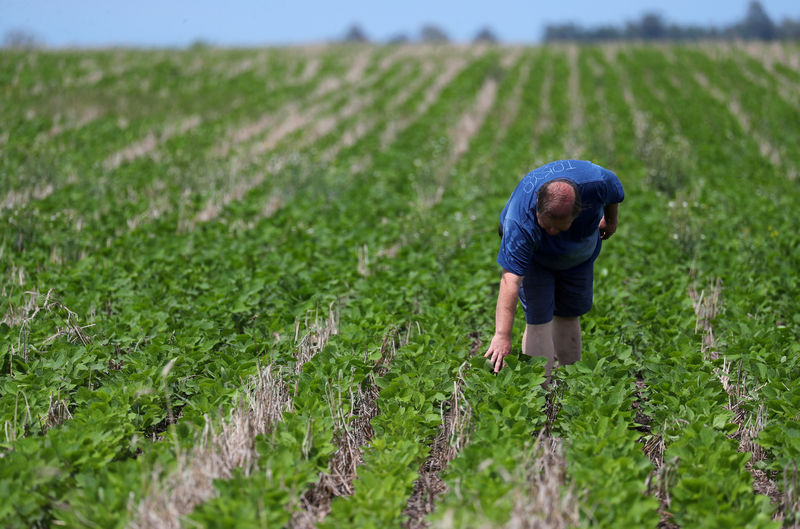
x=759 y=329
x=685 y=398
x=389 y=460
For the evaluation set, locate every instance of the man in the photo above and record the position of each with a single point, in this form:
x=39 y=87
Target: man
x=551 y=231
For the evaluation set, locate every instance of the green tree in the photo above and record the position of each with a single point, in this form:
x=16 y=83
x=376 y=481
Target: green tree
x=20 y=39
x=433 y=35
x=485 y=35
x=757 y=24
x=652 y=27
x=789 y=29
x=355 y=35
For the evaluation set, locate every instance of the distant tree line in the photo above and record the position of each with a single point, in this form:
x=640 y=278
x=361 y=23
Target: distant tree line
x=428 y=34
x=756 y=25
x=20 y=39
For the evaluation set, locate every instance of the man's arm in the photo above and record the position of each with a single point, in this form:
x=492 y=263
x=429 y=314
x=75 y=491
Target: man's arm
x=504 y=319
x=608 y=224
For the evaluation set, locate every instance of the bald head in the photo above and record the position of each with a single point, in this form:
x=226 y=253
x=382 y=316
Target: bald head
x=558 y=199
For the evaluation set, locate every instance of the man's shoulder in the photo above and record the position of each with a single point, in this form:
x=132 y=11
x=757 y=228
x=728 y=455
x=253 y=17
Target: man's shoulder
x=583 y=173
x=577 y=171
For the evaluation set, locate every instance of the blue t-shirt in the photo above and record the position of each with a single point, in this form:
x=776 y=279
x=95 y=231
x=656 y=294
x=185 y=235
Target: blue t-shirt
x=524 y=241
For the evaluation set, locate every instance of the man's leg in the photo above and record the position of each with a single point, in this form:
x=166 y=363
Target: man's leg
x=537 y=340
x=537 y=298
x=567 y=339
x=572 y=299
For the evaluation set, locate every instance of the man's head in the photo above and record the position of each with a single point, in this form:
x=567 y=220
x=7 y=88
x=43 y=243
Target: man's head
x=558 y=203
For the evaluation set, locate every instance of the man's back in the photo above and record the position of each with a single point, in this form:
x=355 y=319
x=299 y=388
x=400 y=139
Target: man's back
x=523 y=237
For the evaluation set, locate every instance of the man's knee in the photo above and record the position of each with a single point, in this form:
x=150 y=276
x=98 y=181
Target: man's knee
x=536 y=329
x=537 y=339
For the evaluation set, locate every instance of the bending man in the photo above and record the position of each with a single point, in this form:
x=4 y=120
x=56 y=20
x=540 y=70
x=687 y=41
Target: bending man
x=551 y=231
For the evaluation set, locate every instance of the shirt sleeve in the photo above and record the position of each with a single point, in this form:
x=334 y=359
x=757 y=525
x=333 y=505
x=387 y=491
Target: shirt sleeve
x=516 y=249
x=614 y=194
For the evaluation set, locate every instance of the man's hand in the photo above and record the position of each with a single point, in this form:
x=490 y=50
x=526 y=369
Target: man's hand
x=498 y=349
x=607 y=229
x=504 y=319
x=608 y=224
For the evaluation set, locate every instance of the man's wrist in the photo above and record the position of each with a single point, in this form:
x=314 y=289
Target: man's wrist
x=610 y=212
x=503 y=334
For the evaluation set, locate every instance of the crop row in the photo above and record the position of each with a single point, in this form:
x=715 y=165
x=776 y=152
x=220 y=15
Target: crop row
x=408 y=400
x=684 y=396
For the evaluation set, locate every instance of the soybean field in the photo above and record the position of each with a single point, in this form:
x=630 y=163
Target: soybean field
x=253 y=288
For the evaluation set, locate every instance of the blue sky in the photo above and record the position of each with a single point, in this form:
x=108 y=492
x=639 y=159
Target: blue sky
x=253 y=22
